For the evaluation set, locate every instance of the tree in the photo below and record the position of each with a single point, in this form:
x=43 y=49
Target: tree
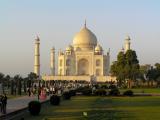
x=7 y=79
x=126 y=67
x=31 y=77
x=131 y=66
x=154 y=74
x=2 y=81
x=143 y=71
x=117 y=68
x=25 y=84
x=12 y=86
x=18 y=80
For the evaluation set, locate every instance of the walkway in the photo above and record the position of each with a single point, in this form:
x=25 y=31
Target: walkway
x=19 y=103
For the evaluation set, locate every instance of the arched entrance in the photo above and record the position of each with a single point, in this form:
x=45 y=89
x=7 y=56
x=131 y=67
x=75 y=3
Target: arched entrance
x=83 y=67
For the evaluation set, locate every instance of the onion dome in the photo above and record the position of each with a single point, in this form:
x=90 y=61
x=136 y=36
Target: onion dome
x=85 y=39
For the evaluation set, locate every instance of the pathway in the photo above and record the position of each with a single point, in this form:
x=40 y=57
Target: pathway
x=19 y=103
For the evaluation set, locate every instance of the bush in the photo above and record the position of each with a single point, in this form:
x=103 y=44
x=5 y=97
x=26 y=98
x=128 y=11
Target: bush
x=72 y=92
x=100 y=92
x=84 y=90
x=66 y=95
x=112 y=87
x=128 y=93
x=104 y=87
x=87 y=91
x=34 y=107
x=54 y=100
x=114 y=92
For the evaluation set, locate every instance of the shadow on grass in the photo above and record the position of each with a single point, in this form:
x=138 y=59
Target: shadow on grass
x=92 y=115
x=97 y=108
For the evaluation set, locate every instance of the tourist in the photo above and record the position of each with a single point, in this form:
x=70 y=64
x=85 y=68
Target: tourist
x=4 y=103
x=1 y=102
x=29 y=92
x=47 y=91
x=39 y=92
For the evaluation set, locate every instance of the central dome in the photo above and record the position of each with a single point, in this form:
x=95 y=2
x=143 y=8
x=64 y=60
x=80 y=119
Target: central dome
x=85 y=39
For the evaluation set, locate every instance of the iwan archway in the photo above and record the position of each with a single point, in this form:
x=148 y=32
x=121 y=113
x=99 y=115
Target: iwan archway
x=83 y=67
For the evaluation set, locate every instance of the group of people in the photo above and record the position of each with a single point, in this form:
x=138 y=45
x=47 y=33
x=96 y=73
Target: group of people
x=3 y=103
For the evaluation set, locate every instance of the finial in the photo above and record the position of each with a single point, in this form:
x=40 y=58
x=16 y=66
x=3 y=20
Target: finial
x=53 y=48
x=128 y=37
x=37 y=38
x=122 y=49
x=108 y=52
x=85 y=25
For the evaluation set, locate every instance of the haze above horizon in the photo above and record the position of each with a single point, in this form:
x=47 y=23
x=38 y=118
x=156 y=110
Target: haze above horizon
x=57 y=22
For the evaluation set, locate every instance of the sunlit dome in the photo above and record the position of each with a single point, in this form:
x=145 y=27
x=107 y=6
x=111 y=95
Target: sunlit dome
x=69 y=48
x=85 y=39
x=98 y=48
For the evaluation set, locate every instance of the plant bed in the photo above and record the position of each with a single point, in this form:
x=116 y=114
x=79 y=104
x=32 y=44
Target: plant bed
x=72 y=92
x=54 y=100
x=100 y=92
x=34 y=107
x=114 y=92
x=128 y=93
x=66 y=96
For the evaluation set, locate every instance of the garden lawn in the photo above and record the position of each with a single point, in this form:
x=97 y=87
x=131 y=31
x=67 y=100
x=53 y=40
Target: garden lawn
x=102 y=108
x=143 y=90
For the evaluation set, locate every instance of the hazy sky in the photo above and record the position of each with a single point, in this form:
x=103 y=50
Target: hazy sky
x=57 y=21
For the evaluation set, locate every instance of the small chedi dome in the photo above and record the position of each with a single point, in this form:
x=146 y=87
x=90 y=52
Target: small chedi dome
x=69 y=48
x=98 y=49
x=85 y=39
x=127 y=38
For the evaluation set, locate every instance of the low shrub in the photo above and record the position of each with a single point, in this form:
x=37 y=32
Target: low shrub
x=100 y=92
x=84 y=90
x=66 y=95
x=114 y=92
x=54 y=100
x=34 y=107
x=87 y=91
x=128 y=93
x=104 y=87
x=112 y=87
x=72 y=92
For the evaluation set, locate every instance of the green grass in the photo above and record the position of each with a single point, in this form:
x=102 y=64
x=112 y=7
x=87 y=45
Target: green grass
x=102 y=108
x=144 y=90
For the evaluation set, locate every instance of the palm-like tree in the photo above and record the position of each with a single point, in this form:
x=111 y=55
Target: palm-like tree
x=2 y=81
x=31 y=77
x=18 y=80
x=12 y=84
x=7 y=80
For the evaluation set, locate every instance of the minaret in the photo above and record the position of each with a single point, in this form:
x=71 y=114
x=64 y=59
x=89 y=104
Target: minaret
x=122 y=50
x=37 y=56
x=85 y=23
x=108 y=62
x=52 y=61
x=127 y=43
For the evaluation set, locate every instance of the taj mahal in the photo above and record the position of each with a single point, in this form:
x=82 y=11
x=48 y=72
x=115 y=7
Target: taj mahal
x=84 y=59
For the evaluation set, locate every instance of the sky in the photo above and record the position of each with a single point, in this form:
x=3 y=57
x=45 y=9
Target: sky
x=57 y=21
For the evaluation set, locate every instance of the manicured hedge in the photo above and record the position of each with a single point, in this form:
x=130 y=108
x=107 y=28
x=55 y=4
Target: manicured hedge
x=114 y=92
x=72 y=92
x=84 y=90
x=128 y=93
x=34 y=107
x=54 y=100
x=100 y=92
x=66 y=95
